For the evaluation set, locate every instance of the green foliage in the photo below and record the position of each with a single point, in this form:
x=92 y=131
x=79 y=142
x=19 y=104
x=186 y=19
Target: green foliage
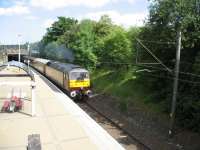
x=83 y=44
x=91 y=42
x=165 y=18
x=133 y=33
x=126 y=85
x=97 y=42
x=58 y=29
x=117 y=47
x=102 y=29
x=189 y=114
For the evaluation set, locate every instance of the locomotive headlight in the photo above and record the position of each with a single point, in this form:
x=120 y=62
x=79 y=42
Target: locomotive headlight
x=73 y=94
x=88 y=92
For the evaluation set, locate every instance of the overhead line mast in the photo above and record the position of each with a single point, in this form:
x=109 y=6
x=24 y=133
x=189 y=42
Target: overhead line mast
x=176 y=78
x=178 y=24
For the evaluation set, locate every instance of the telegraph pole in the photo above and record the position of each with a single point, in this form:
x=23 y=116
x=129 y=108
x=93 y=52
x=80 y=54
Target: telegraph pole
x=176 y=78
x=176 y=75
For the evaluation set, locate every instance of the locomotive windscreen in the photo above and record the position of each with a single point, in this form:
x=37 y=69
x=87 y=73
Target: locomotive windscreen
x=79 y=75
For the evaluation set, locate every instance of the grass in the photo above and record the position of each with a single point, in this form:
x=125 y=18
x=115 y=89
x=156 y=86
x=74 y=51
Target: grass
x=127 y=86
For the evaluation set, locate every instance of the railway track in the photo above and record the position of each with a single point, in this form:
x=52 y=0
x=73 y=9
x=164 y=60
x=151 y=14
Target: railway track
x=126 y=139
x=121 y=135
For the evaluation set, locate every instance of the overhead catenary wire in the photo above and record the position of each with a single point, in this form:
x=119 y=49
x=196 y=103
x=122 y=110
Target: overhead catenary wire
x=134 y=64
x=180 y=72
x=171 y=78
x=167 y=69
x=156 y=58
x=160 y=69
x=159 y=42
x=145 y=65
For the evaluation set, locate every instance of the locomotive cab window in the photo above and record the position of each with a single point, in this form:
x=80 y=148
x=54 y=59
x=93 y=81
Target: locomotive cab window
x=79 y=75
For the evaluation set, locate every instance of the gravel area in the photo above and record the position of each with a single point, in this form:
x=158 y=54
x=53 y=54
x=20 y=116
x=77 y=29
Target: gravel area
x=150 y=129
x=125 y=140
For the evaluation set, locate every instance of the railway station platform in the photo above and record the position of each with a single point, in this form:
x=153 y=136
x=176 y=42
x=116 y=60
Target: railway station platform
x=61 y=124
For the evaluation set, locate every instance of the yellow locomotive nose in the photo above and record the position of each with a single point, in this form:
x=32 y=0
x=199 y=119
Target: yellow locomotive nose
x=79 y=83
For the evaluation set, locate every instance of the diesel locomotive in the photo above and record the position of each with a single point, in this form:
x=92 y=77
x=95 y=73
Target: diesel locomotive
x=72 y=78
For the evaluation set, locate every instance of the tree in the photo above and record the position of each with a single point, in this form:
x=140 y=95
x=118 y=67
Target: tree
x=133 y=33
x=59 y=28
x=102 y=29
x=117 y=47
x=83 y=44
x=164 y=19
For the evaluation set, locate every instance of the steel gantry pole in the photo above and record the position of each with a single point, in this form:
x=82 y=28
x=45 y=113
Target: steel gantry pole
x=175 y=85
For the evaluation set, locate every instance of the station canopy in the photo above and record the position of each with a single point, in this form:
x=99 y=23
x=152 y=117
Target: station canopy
x=21 y=66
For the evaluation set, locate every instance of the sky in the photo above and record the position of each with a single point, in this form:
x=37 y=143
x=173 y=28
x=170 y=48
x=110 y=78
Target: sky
x=26 y=20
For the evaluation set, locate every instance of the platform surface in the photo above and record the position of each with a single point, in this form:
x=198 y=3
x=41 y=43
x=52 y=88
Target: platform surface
x=62 y=125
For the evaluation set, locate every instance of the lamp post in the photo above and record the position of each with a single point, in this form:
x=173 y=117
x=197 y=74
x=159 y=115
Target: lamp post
x=19 y=54
x=28 y=61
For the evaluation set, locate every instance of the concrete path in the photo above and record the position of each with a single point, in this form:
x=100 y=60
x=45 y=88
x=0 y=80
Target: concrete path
x=62 y=125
